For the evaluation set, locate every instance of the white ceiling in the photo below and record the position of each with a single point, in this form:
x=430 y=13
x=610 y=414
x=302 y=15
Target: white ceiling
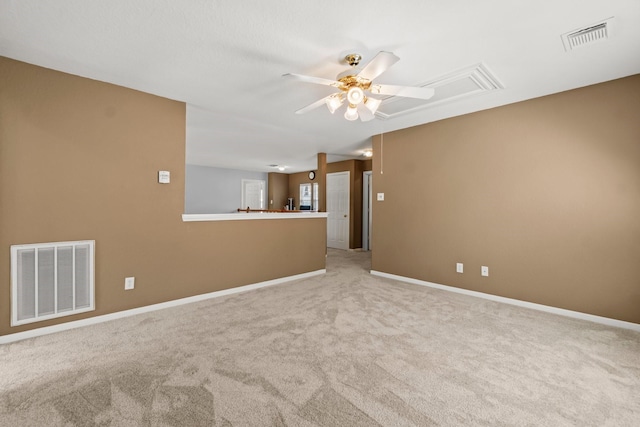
x=226 y=58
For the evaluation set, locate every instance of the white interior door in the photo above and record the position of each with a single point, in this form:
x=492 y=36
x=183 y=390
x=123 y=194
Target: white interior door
x=338 y=210
x=253 y=194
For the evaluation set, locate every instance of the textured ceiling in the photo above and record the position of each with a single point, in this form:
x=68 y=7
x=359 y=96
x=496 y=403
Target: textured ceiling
x=225 y=59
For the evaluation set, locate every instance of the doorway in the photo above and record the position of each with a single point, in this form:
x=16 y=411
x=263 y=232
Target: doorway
x=338 y=210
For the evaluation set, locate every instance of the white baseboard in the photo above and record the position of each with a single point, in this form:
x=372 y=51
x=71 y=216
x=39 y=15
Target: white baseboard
x=546 y=308
x=18 y=336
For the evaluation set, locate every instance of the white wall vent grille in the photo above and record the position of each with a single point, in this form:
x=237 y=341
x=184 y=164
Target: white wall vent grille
x=50 y=280
x=588 y=35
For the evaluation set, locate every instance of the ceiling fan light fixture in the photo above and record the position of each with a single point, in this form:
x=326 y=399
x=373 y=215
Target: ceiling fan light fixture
x=372 y=104
x=334 y=102
x=353 y=83
x=352 y=113
x=355 y=95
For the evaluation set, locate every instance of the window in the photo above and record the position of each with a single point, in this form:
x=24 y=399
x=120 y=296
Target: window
x=305 y=196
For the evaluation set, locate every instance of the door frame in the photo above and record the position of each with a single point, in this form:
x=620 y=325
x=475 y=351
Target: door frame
x=367 y=207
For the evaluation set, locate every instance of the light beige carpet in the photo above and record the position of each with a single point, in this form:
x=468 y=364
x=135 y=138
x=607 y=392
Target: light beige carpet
x=343 y=349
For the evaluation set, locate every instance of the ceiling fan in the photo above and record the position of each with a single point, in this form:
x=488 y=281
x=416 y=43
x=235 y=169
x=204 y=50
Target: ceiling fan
x=356 y=84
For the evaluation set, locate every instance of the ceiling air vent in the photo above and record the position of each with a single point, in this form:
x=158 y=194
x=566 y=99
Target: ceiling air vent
x=587 y=35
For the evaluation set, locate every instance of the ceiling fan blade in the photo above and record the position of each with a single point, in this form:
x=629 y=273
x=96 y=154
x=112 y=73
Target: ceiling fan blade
x=312 y=79
x=405 y=91
x=378 y=65
x=364 y=113
x=310 y=107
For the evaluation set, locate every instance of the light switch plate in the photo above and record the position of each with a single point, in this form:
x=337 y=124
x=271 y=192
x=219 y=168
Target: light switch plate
x=164 y=177
x=129 y=283
x=459 y=267
x=381 y=197
x=484 y=270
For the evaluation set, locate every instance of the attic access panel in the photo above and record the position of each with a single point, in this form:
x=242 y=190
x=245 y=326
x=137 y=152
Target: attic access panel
x=459 y=84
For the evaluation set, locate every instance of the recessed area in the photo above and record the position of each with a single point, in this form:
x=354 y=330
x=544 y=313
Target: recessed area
x=459 y=84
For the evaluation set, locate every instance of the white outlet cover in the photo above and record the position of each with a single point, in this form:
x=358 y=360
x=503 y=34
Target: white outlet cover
x=484 y=270
x=459 y=267
x=380 y=197
x=129 y=283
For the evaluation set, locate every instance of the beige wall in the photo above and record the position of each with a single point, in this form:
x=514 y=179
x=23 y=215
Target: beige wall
x=295 y=179
x=79 y=160
x=278 y=190
x=545 y=192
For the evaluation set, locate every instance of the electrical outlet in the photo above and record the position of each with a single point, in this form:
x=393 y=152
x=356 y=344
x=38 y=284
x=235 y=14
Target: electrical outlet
x=459 y=267
x=484 y=270
x=380 y=197
x=129 y=283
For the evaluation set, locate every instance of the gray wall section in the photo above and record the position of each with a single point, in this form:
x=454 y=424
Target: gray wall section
x=216 y=190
